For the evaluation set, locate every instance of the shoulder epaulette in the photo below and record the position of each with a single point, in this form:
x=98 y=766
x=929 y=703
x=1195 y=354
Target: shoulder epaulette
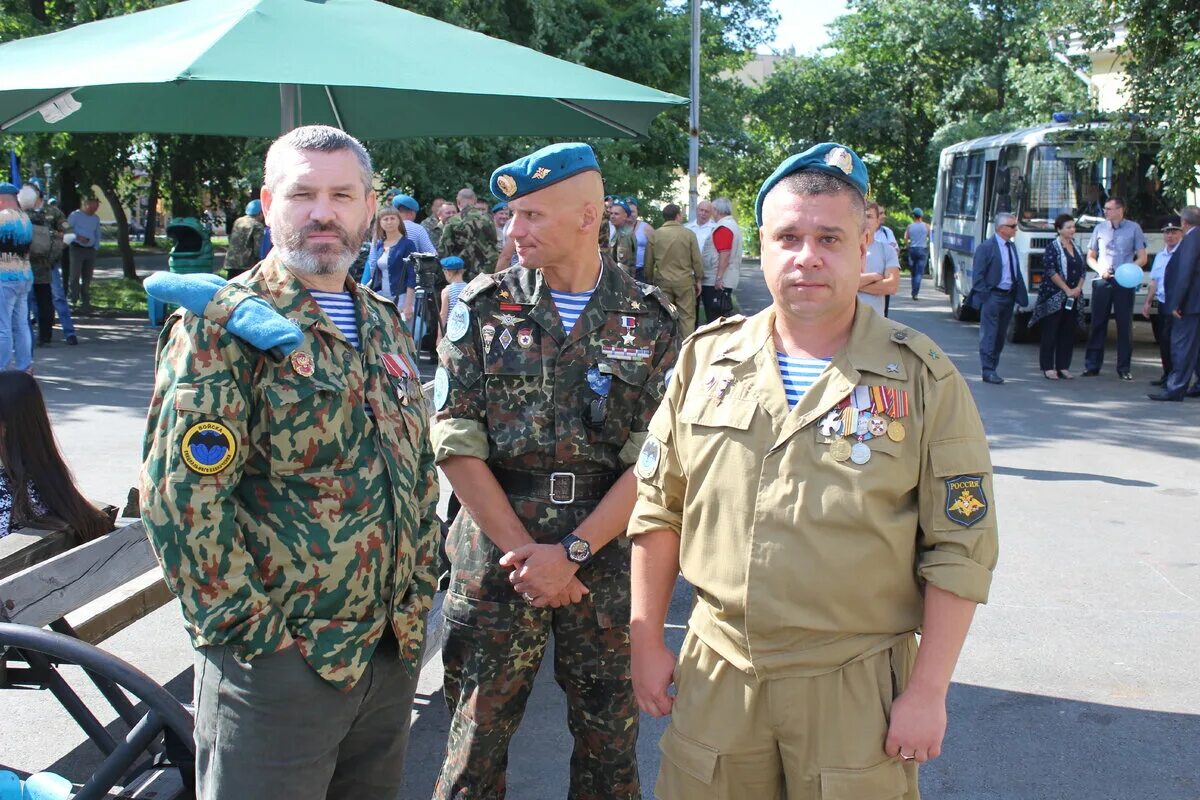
x=723 y=322
x=930 y=354
x=481 y=283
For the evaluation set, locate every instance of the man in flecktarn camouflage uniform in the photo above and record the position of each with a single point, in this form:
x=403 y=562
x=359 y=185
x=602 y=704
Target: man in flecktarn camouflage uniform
x=245 y=241
x=550 y=372
x=471 y=235
x=291 y=503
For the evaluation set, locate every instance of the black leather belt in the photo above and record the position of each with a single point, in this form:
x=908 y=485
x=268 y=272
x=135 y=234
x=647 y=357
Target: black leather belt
x=560 y=488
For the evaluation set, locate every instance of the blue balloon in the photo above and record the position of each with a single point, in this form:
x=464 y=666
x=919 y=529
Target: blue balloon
x=1129 y=276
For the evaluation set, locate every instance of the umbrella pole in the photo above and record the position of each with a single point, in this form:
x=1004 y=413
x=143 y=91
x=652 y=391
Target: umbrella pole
x=289 y=107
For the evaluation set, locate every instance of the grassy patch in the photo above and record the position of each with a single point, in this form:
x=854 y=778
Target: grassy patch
x=118 y=296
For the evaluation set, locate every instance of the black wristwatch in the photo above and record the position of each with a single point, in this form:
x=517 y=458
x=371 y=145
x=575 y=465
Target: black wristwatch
x=578 y=550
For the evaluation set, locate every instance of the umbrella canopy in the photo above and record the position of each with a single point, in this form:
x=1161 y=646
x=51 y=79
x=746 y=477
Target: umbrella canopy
x=252 y=67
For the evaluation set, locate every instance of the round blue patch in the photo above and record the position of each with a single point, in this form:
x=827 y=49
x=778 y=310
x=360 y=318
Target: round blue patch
x=459 y=322
x=441 y=387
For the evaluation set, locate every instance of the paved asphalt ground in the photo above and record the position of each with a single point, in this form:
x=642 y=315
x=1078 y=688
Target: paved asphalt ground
x=1079 y=680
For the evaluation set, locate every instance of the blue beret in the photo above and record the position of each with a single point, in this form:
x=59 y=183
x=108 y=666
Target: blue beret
x=623 y=203
x=8 y=188
x=499 y=207
x=543 y=168
x=253 y=208
x=631 y=200
x=404 y=201
x=829 y=157
x=453 y=262
x=918 y=212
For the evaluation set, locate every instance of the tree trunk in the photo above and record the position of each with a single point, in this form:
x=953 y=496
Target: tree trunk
x=128 y=268
x=37 y=8
x=68 y=188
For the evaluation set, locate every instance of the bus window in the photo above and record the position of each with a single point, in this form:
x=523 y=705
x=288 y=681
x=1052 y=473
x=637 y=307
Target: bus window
x=966 y=182
x=1060 y=180
x=1010 y=182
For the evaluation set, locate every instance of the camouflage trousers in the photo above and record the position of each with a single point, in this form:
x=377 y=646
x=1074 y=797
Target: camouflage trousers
x=494 y=646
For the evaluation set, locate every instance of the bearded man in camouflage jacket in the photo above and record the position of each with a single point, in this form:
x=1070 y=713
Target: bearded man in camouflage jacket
x=291 y=503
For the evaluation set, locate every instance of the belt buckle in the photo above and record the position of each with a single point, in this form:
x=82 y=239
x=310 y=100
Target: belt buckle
x=569 y=479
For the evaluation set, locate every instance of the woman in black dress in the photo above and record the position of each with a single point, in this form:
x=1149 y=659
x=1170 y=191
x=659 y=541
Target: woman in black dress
x=1057 y=305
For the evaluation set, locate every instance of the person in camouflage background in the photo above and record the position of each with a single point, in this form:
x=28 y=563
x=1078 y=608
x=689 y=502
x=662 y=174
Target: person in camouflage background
x=245 y=240
x=291 y=504
x=624 y=243
x=541 y=419
x=43 y=263
x=470 y=235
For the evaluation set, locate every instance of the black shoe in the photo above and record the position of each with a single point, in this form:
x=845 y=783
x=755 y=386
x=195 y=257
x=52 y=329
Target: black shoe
x=43 y=342
x=1192 y=393
x=1167 y=396
x=1091 y=373
x=72 y=339
x=1160 y=382
x=1125 y=376
x=993 y=378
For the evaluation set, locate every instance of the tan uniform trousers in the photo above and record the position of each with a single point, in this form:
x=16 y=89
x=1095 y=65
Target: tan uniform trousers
x=817 y=738
x=683 y=297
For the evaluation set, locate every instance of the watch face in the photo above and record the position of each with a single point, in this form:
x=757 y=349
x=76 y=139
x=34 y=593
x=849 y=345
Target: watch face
x=578 y=550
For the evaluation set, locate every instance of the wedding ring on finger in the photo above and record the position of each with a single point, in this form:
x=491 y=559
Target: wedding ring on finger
x=913 y=757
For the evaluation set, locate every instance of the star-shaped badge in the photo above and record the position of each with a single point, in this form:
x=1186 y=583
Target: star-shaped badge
x=934 y=353
x=627 y=339
x=893 y=368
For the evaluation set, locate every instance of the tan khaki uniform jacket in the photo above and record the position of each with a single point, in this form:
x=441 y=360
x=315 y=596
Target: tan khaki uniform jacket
x=673 y=257
x=803 y=563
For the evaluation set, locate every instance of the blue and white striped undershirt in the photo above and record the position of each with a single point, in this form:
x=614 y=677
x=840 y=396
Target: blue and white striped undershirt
x=339 y=307
x=570 y=305
x=799 y=374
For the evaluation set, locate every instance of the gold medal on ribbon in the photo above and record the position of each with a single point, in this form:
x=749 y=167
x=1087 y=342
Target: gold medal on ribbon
x=895 y=430
x=840 y=449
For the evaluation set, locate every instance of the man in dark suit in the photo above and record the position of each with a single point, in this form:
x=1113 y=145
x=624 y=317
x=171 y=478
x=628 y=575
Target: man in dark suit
x=1183 y=301
x=997 y=287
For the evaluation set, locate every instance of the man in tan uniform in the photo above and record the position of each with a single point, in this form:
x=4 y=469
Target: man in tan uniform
x=821 y=476
x=673 y=264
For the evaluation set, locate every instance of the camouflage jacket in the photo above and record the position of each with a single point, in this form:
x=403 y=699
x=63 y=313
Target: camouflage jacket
x=53 y=218
x=245 y=241
x=471 y=235
x=624 y=249
x=518 y=384
x=279 y=510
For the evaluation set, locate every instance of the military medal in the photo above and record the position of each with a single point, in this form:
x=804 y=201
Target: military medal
x=840 y=449
x=489 y=333
x=860 y=453
x=525 y=338
x=303 y=364
x=831 y=424
x=507 y=320
x=506 y=338
x=895 y=430
x=878 y=426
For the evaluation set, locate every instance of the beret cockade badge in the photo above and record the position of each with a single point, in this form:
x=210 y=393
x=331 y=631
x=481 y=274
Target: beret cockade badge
x=507 y=184
x=840 y=157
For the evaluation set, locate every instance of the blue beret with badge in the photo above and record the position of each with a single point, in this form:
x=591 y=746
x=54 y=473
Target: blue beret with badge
x=543 y=168
x=8 y=188
x=499 y=207
x=622 y=203
x=829 y=157
x=405 y=201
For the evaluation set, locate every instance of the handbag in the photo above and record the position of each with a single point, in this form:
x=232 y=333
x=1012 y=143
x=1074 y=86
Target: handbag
x=724 y=302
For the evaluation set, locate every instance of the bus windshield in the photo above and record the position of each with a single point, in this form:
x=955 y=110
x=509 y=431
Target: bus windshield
x=1061 y=179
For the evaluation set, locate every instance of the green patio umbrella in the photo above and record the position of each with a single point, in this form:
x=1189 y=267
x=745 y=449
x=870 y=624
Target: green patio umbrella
x=254 y=67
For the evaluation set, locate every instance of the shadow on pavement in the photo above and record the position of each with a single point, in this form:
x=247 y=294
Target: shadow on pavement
x=1006 y=745
x=1055 y=475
